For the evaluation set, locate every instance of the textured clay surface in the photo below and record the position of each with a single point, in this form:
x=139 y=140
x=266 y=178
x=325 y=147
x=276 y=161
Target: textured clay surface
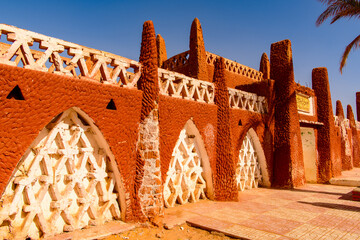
x=225 y=184
x=197 y=66
x=288 y=156
x=145 y=156
x=174 y=113
x=161 y=49
x=355 y=137
x=265 y=66
x=346 y=149
x=238 y=133
x=148 y=81
x=46 y=96
x=197 y=59
x=358 y=105
x=339 y=109
x=264 y=125
x=328 y=164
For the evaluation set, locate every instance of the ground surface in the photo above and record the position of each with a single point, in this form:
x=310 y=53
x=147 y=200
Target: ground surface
x=183 y=232
x=313 y=211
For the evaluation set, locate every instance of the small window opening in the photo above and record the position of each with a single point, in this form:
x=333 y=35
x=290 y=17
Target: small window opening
x=240 y=123
x=16 y=94
x=111 y=105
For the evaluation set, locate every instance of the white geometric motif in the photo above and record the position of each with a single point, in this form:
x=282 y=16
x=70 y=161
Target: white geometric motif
x=65 y=182
x=184 y=182
x=236 y=67
x=247 y=101
x=65 y=58
x=248 y=174
x=180 y=86
x=176 y=61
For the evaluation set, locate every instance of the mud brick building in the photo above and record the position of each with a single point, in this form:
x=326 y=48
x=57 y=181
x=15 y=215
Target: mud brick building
x=88 y=137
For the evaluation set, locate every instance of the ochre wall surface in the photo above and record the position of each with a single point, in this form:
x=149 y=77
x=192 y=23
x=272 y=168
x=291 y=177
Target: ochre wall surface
x=288 y=164
x=222 y=128
x=46 y=96
x=329 y=165
x=174 y=113
x=238 y=132
x=232 y=79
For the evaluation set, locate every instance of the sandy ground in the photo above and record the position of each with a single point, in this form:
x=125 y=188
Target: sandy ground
x=182 y=232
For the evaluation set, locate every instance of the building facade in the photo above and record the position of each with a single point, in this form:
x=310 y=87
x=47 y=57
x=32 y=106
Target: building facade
x=89 y=137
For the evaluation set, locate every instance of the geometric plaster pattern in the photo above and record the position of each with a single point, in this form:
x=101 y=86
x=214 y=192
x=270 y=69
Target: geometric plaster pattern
x=176 y=61
x=231 y=66
x=248 y=174
x=247 y=101
x=184 y=182
x=180 y=86
x=65 y=58
x=63 y=183
x=235 y=67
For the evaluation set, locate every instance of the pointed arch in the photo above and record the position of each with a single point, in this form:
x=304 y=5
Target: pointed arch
x=251 y=168
x=189 y=177
x=67 y=179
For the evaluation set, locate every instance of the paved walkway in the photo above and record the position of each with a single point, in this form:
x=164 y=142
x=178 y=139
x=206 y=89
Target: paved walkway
x=310 y=212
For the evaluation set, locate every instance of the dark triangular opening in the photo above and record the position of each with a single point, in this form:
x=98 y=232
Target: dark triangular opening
x=111 y=105
x=240 y=123
x=16 y=93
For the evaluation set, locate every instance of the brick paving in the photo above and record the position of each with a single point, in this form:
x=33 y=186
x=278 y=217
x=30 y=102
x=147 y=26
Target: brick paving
x=313 y=211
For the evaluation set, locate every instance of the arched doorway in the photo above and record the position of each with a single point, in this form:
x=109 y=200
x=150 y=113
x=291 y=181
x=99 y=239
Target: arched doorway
x=189 y=176
x=66 y=180
x=251 y=168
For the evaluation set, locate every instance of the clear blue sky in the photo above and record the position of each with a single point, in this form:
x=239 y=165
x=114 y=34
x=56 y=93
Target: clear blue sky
x=239 y=30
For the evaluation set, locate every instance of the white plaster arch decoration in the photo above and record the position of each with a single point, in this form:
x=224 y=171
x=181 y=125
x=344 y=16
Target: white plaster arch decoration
x=67 y=179
x=251 y=168
x=189 y=177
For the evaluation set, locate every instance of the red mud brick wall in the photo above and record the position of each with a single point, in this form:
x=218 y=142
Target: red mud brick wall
x=343 y=137
x=47 y=95
x=358 y=105
x=255 y=121
x=173 y=114
x=264 y=124
x=225 y=166
x=329 y=164
x=355 y=137
x=288 y=155
x=148 y=82
x=232 y=79
x=197 y=56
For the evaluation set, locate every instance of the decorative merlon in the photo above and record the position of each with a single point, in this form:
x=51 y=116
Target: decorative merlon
x=346 y=122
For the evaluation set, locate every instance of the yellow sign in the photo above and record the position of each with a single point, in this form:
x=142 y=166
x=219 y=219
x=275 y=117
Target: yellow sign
x=303 y=103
